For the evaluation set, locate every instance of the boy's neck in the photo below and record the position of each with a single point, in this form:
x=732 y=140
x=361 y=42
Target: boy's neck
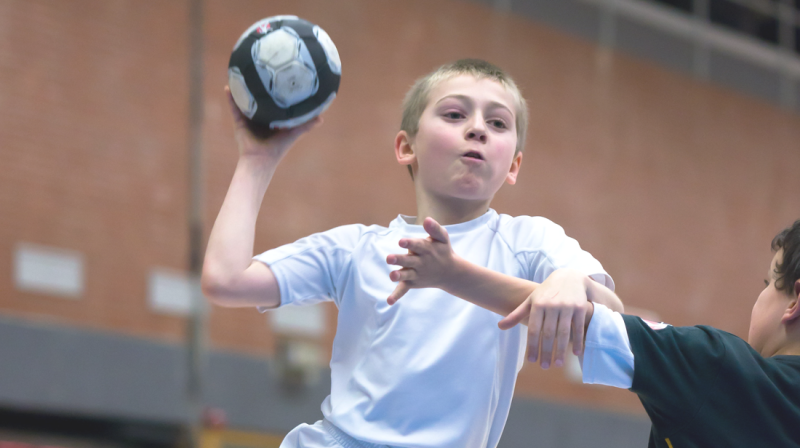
x=793 y=350
x=787 y=342
x=449 y=210
x=791 y=342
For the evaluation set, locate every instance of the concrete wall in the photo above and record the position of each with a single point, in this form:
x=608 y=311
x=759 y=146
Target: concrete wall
x=57 y=370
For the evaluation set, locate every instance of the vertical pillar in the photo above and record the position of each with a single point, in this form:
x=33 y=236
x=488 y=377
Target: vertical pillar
x=195 y=325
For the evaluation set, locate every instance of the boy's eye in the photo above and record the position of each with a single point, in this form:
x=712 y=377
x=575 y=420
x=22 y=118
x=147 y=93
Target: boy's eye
x=498 y=124
x=453 y=115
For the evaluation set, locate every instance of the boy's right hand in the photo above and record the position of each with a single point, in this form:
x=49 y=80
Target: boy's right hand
x=274 y=147
x=430 y=262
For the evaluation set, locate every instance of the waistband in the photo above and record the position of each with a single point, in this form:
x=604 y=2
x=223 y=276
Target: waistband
x=345 y=440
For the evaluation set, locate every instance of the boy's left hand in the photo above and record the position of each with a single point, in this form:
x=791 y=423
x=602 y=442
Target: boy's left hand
x=430 y=262
x=556 y=313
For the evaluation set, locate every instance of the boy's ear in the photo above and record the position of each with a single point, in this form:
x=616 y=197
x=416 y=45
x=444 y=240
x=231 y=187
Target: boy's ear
x=793 y=310
x=511 y=177
x=403 y=150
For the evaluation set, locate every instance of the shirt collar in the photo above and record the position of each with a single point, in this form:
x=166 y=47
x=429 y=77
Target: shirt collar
x=405 y=223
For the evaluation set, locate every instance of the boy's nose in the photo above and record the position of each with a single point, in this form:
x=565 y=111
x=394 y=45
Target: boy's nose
x=476 y=134
x=477 y=131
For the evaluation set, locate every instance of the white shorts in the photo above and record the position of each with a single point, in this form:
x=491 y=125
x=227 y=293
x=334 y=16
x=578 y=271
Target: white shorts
x=323 y=434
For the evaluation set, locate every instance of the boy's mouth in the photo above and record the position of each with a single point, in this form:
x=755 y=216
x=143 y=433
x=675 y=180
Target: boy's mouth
x=473 y=155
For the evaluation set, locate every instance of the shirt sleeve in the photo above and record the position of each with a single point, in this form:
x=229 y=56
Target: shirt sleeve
x=607 y=356
x=309 y=270
x=676 y=367
x=542 y=247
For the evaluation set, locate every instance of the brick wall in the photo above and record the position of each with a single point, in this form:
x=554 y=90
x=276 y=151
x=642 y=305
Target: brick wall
x=675 y=186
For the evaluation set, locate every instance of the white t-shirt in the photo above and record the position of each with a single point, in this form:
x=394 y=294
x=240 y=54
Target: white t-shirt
x=432 y=370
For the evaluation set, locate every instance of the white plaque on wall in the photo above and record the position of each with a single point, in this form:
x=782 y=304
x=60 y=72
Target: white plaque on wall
x=298 y=320
x=48 y=270
x=171 y=292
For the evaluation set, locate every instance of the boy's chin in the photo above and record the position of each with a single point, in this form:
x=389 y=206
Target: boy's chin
x=471 y=196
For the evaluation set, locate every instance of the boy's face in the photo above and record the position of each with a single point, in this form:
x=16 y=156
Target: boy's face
x=467 y=138
x=767 y=314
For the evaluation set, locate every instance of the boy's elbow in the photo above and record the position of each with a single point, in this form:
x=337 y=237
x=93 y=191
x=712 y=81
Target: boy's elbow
x=214 y=289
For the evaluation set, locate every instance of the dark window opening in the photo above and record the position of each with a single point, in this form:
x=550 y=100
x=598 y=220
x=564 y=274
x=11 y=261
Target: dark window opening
x=745 y=20
x=683 y=5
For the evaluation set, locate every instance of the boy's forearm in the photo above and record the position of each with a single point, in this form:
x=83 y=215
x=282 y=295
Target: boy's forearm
x=486 y=288
x=598 y=293
x=503 y=293
x=230 y=244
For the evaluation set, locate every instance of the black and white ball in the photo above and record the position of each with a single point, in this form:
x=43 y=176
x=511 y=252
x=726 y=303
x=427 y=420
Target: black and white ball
x=283 y=72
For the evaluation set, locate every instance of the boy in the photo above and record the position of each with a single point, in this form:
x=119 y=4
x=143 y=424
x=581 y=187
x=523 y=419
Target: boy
x=701 y=387
x=433 y=371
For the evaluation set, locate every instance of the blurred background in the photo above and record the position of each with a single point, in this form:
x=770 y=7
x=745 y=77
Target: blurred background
x=664 y=136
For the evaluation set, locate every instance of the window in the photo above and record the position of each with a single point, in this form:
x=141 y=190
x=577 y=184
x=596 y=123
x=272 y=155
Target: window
x=758 y=19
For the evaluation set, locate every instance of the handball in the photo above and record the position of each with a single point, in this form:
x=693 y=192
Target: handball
x=283 y=72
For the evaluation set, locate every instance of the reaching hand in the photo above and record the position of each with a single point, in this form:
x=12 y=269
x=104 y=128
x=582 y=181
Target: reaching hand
x=429 y=262
x=556 y=313
x=273 y=147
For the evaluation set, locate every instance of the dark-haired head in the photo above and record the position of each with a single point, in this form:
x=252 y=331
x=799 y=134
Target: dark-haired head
x=788 y=270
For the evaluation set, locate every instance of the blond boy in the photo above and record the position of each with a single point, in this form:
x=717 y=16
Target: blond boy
x=432 y=371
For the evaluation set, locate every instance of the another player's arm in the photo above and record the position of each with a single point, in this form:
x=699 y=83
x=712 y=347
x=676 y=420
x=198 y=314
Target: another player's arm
x=230 y=277
x=556 y=308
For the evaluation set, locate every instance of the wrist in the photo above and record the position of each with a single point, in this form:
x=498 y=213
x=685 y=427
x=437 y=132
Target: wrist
x=458 y=274
x=257 y=165
x=588 y=286
x=259 y=159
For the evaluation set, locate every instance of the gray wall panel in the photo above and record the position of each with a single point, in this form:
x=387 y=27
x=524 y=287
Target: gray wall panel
x=649 y=43
x=62 y=369
x=743 y=76
x=58 y=369
x=576 y=18
x=249 y=391
x=537 y=423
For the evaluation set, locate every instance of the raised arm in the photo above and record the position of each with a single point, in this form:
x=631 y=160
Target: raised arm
x=230 y=277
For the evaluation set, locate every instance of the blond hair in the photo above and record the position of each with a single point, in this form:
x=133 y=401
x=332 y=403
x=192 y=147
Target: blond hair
x=416 y=99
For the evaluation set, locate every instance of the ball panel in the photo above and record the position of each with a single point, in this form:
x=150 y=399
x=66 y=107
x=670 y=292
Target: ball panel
x=330 y=50
x=276 y=49
x=241 y=94
x=294 y=82
x=297 y=121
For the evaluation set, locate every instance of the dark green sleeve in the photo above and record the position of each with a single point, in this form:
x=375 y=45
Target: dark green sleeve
x=674 y=367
